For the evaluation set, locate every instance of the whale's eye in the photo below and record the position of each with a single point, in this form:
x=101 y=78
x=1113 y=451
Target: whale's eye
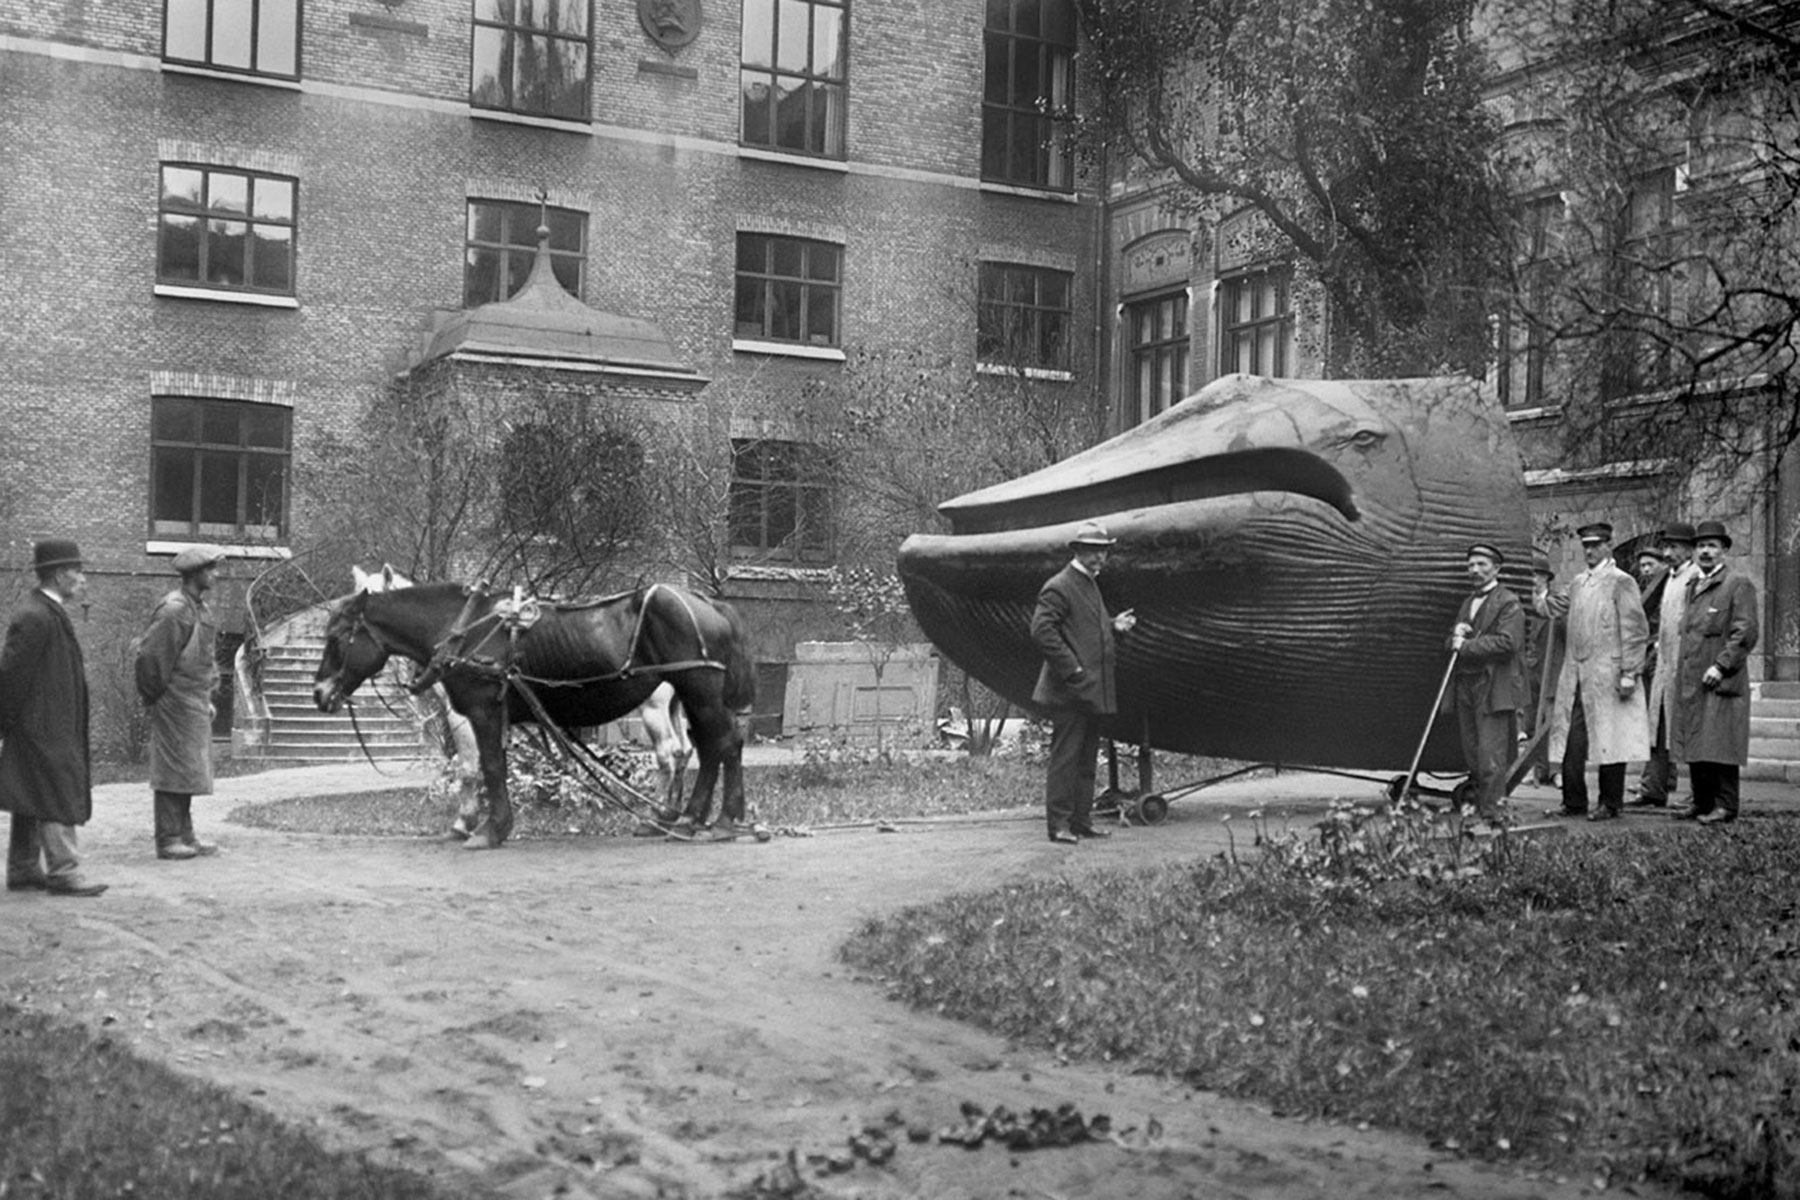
x=1365 y=438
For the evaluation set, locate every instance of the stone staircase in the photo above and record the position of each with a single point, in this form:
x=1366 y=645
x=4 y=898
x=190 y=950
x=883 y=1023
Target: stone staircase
x=1774 y=732
x=281 y=724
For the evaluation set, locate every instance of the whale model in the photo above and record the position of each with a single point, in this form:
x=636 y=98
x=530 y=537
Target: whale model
x=1295 y=552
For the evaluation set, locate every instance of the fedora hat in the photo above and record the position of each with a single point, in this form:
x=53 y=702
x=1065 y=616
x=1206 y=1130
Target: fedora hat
x=55 y=552
x=1091 y=533
x=1712 y=529
x=1679 y=531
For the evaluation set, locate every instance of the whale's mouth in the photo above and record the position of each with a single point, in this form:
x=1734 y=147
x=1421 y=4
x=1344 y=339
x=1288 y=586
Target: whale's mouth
x=1234 y=473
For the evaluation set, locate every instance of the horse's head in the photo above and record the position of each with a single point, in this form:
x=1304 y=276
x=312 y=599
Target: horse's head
x=353 y=652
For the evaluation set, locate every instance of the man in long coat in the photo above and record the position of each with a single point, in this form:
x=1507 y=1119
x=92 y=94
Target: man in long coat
x=45 y=765
x=1599 y=703
x=1489 y=685
x=1678 y=550
x=1543 y=661
x=177 y=670
x=1711 y=731
x=1074 y=633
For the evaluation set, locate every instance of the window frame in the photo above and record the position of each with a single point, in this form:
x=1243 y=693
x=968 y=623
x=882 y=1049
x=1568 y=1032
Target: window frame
x=1523 y=349
x=811 y=80
x=996 y=301
x=1644 y=278
x=205 y=215
x=245 y=452
x=256 y=36
x=1008 y=117
x=808 y=486
x=1235 y=334
x=509 y=252
x=1174 y=348
x=769 y=279
x=504 y=72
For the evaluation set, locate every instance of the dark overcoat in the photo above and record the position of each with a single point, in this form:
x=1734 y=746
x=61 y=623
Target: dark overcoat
x=1719 y=629
x=1494 y=651
x=1074 y=634
x=45 y=770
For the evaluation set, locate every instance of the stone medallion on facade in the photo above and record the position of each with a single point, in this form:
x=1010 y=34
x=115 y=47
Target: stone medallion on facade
x=671 y=24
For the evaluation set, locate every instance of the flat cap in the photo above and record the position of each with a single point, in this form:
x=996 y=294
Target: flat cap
x=1598 y=531
x=1487 y=549
x=196 y=557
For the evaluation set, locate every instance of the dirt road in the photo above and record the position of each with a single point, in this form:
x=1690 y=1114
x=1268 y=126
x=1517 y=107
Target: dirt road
x=629 y=1017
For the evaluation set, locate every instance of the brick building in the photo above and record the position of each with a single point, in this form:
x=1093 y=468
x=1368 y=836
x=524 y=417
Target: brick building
x=226 y=226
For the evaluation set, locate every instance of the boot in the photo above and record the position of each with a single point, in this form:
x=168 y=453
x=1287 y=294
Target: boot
x=168 y=827
x=187 y=830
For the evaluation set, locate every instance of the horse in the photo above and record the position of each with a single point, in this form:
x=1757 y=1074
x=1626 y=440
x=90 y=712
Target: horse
x=661 y=717
x=583 y=663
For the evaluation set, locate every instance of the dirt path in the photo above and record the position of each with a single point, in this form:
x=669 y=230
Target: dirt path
x=629 y=1017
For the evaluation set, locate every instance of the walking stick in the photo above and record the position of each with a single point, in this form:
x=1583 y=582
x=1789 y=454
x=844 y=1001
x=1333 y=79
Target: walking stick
x=1443 y=685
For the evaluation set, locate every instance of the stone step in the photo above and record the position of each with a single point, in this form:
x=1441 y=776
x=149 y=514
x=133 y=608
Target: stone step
x=1774 y=749
x=1771 y=770
x=1785 y=710
x=1778 y=689
x=1785 y=729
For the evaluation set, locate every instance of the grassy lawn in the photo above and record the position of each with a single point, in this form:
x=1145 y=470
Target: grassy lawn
x=82 y=1117
x=1622 y=1006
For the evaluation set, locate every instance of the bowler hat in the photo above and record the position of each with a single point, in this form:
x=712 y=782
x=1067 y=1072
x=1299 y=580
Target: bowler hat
x=1599 y=531
x=1679 y=531
x=1091 y=533
x=196 y=557
x=1488 y=549
x=1712 y=529
x=1540 y=565
x=55 y=552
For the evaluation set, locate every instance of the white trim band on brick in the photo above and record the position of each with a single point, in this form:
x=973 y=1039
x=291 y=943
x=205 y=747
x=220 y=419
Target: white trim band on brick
x=281 y=392
x=758 y=154
x=1045 y=374
x=258 y=551
x=1008 y=189
x=787 y=349
x=267 y=81
x=686 y=378
x=1631 y=468
x=174 y=291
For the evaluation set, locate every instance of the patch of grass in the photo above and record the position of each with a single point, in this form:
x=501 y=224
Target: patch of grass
x=1627 y=1004
x=84 y=1117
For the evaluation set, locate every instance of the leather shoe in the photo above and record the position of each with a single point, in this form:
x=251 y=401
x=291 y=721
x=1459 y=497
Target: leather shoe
x=1717 y=816
x=1647 y=802
x=1089 y=831
x=1063 y=836
x=1604 y=814
x=20 y=883
x=176 y=850
x=1571 y=814
x=74 y=887
x=202 y=849
x=1690 y=813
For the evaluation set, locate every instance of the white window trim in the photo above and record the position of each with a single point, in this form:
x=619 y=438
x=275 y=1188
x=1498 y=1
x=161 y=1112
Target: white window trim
x=256 y=551
x=1013 y=189
x=787 y=349
x=1047 y=374
x=512 y=118
x=177 y=291
x=268 y=81
x=763 y=154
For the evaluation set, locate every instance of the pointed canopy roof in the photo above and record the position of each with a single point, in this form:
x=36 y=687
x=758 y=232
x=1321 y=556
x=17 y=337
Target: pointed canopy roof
x=542 y=324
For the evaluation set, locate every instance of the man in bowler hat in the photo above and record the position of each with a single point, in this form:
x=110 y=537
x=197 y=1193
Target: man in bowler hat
x=1711 y=729
x=1599 y=704
x=1074 y=633
x=1489 y=684
x=45 y=766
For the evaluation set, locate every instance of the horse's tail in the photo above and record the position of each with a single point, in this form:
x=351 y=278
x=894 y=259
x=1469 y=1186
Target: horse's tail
x=740 y=670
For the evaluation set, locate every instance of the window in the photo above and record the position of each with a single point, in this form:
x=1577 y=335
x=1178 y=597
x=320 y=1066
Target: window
x=1029 y=92
x=1023 y=318
x=256 y=37
x=780 y=501
x=788 y=289
x=226 y=229
x=1524 y=343
x=218 y=469
x=1256 y=324
x=530 y=56
x=1157 y=331
x=1644 y=273
x=793 y=75
x=502 y=242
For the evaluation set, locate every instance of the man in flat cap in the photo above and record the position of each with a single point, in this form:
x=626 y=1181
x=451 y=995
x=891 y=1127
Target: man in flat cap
x=1543 y=660
x=45 y=765
x=1711 y=728
x=1489 y=684
x=1074 y=633
x=177 y=670
x=1599 y=703
x=1660 y=772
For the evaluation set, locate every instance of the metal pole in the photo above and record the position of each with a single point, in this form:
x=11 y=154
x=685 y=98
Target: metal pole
x=1443 y=685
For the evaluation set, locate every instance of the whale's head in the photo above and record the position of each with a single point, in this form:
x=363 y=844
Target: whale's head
x=1294 y=551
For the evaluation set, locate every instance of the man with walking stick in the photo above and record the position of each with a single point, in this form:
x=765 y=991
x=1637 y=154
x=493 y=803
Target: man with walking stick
x=1489 y=685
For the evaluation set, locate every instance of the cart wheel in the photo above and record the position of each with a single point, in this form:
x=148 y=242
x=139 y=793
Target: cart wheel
x=1150 y=810
x=1463 y=795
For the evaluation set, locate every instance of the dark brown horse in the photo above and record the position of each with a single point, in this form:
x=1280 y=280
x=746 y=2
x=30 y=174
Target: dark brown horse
x=586 y=663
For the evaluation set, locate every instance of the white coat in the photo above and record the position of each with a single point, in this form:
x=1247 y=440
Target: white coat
x=1607 y=637
x=1668 y=648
